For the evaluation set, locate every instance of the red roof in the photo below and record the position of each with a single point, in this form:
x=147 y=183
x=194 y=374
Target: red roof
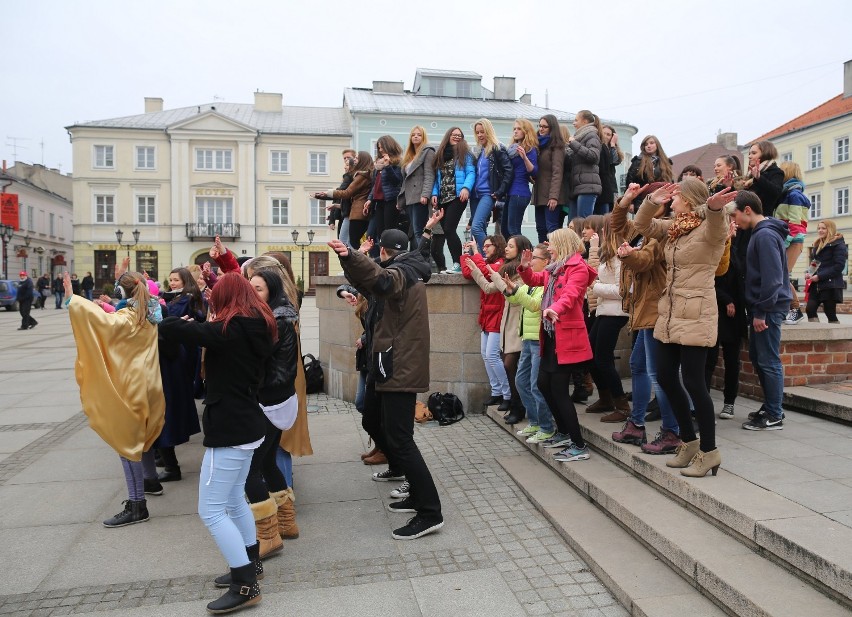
x=704 y=157
x=833 y=108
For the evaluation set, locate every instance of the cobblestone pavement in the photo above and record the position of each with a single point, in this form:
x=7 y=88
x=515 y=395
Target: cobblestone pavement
x=543 y=574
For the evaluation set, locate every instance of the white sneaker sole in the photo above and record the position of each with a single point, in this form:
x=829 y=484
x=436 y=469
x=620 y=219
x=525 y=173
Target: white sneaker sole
x=425 y=532
x=403 y=510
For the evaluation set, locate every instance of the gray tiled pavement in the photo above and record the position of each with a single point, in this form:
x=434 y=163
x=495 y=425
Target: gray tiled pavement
x=496 y=555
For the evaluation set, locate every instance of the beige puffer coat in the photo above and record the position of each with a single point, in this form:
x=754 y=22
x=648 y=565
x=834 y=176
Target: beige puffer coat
x=688 y=313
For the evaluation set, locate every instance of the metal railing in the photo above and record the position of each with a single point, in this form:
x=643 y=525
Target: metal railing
x=211 y=230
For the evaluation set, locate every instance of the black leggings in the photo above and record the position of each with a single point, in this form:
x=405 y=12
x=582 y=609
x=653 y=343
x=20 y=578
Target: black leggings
x=453 y=212
x=555 y=389
x=356 y=230
x=691 y=361
x=437 y=251
x=603 y=337
x=510 y=363
x=828 y=299
x=387 y=217
x=731 y=359
x=264 y=476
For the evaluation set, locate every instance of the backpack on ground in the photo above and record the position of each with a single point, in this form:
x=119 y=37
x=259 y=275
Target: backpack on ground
x=314 y=376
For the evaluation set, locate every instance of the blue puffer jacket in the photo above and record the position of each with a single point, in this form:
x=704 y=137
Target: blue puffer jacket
x=465 y=178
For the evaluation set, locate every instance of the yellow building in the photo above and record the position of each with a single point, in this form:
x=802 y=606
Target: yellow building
x=818 y=141
x=182 y=176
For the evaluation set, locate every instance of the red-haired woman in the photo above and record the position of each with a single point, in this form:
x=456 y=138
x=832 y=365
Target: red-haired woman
x=239 y=338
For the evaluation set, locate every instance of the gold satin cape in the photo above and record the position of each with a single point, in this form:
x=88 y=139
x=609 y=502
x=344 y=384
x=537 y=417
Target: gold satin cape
x=118 y=371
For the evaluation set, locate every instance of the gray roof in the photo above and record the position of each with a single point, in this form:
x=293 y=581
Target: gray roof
x=447 y=73
x=289 y=121
x=365 y=101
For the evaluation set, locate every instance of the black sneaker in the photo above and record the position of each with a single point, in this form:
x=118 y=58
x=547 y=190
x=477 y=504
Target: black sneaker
x=388 y=476
x=153 y=487
x=762 y=412
x=763 y=423
x=417 y=527
x=403 y=505
x=134 y=512
x=580 y=395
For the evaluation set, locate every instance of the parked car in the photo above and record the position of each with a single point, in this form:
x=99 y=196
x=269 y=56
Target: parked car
x=9 y=295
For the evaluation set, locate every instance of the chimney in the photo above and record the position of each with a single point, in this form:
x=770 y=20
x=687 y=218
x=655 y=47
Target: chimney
x=268 y=101
x=847 y=79
x=388 y=87
x=728 y=140
x=526 y=99
x=153 y=104
x=504 y=88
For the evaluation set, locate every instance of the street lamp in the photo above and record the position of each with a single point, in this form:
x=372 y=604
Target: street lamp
x=120 y=234
x=6 y=232
x=295 y=235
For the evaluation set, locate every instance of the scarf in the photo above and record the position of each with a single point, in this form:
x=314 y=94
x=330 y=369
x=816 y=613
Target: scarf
x=683 y=223
x=793 y=184
x=449 y=153
x=585 y=130
x=512 y=150
x=554 y=269
x=154 y=312
x=543 y=140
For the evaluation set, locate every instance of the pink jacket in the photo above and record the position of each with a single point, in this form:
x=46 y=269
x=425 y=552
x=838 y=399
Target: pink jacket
x=573 y=278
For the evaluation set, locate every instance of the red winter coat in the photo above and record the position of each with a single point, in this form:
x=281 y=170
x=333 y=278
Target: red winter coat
x=228 y=263
x=573 y=278
x=490 y=305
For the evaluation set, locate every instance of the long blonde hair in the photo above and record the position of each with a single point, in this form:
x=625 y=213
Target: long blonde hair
x=565 y=242
x=136 y=288
x=411 y=151
x=830 y=235
x=491 y=141
x=530 y=140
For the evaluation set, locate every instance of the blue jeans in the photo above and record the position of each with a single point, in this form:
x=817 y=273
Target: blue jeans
x=764 y=350
x=481 y=207
x=581 y=205
x=513 y=215
x=547 y=220
x=359 y=394
x=643 y=370
x=526 y=381
x=284 y=460
x=89 y=293
x=58 y=297
x=222 y=504
x=417 y=216
x=490 y=349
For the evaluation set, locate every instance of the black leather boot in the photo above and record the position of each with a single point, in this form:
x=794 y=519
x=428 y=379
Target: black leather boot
x=517 y=414
x=254 y=556
x=243 y=591
x=134 y=512
x=170 y=474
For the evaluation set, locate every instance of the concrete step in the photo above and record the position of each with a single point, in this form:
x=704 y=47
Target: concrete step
x=809 y=544
x=738 y=575
x=642 y=582
x=817 y=402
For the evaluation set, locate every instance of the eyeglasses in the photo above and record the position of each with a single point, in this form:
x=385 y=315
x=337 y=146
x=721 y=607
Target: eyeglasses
x=456 y=136
x=485 y=246
x=538 y=257
x=543 y=126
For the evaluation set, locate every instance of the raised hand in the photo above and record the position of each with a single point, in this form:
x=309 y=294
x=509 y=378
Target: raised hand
x=624 y=250
x=67 y=288
x=436 y=217
x=366 y=245
x=718 y=201
x=663 y=194
x=526 y=258
x=510 y=285
x=339 y=247
x=217 y=242
x=632 y=191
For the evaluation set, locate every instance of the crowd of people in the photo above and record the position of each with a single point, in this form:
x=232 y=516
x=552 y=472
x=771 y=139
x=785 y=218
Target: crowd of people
x=691 y=268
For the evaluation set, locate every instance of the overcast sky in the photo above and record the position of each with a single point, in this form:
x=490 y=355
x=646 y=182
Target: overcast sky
x=681 y=70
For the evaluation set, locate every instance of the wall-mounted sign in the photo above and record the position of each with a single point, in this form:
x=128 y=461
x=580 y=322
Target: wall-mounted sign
x=9 y=209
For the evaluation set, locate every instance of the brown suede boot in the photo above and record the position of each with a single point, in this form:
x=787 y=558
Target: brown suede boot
x=616 y=417
x=266 y=522
x=286 y=501
x=621 y=403
x=603 y=404
x=369 y=454
x=378 y=458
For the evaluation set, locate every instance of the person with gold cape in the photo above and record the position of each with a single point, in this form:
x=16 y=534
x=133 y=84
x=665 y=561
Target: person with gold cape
x=118 y=372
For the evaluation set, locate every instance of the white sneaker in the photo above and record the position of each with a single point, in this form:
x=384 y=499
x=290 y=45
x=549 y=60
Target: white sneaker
x=456 y=269
x=793 y=317
x=402 y=491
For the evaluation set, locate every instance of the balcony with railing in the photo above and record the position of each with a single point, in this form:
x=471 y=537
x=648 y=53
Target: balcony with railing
x=208 y=231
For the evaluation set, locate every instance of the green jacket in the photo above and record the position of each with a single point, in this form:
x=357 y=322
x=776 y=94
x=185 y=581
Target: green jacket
x=530 y=300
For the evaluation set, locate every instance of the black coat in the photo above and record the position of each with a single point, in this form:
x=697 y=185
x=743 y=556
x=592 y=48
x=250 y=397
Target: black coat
x=279 y=381
x=729 y=291
x=832 y=262
x=88 y=283
x=234 y=364
x=769 y=187
x=25 y=290
x=606 y=169
x=500 y=172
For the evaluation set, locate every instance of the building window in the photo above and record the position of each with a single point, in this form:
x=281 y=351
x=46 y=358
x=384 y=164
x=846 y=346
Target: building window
x=214 y=210
x=104 y=208
x=146 y=209
x=213 y=160
x=279 y=161
x=841 y=150
x=816 y=206
x=317 y=212
x=463 y=89
x=31 y=218
x=147 y=262
x=815 y=157
x=437 y=87
x=52 y=224
x=104 y=158
x=786 y=157
x=318 y=163
x=145 y=157
x=280 y=211
x=841 y=200
x=61 y=227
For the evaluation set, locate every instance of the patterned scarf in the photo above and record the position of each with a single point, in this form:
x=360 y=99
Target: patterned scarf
x=554 y=269
x=683 y=223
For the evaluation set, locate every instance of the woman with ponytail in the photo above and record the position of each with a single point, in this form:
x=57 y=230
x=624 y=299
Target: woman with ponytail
x=584 y=151
x=120 y=386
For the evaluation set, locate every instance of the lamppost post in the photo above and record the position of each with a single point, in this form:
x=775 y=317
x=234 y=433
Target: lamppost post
x=6 y=232
x=303 y=245
x=120 y=234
